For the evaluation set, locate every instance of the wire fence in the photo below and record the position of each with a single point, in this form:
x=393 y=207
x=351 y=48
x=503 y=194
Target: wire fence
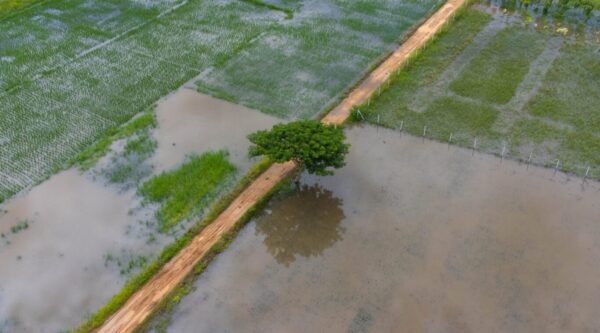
x=528 y=154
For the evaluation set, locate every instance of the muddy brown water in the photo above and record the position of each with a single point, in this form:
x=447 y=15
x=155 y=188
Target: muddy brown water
x=220 y=125
x=411 y=236
x=56 y=271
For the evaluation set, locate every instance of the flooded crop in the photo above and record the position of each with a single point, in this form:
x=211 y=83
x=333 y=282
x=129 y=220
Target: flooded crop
x=416 y=235
x=74 y=239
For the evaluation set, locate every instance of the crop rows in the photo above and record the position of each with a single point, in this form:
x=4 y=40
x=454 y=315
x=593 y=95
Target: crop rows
x=531 y=94
x=73 y=69
x=300 y=67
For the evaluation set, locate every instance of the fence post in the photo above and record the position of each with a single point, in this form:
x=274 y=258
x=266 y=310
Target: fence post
x=360 y=114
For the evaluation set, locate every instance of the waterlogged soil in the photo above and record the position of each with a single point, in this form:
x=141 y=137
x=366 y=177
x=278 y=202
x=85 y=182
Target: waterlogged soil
x=416 y=236
x=69 y=244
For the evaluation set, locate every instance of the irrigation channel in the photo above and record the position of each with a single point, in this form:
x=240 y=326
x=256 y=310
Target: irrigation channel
x=144 y=301
x=410 y=236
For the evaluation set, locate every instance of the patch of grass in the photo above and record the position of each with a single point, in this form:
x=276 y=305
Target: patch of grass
x=22 y=225
x=137 y=281
x=128 y=167
x=570 y=90
x=501 y=66
x=424 y=68
x=392 y=106
x=474 y=119
x=63 y=88
x=190 y=187
x=127 y=264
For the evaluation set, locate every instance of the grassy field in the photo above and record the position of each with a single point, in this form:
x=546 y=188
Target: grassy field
x=505 y=86
x=75 y=70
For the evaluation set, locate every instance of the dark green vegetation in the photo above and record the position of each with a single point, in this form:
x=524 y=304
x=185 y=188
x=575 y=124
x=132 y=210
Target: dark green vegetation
x=311 y=144
x=74 y=70
x=504 y=88
x=190 y=188
x=148 y=271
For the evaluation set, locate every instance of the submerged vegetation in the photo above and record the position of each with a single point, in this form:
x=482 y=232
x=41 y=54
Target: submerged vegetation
x=152 y=267
x=187 y=189
x=22 y=225
x=88 y=158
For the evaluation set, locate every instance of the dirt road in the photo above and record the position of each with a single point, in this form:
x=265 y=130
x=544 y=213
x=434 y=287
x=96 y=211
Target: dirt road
x=145 y=300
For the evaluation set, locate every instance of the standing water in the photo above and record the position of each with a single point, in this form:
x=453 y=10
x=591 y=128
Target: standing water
x=411 y=236
x=69 y=244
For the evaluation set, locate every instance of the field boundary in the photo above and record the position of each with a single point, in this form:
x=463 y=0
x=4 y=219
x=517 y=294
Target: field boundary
x=146 y=299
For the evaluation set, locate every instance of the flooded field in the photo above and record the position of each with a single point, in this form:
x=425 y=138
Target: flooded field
x=69 y=244
x=411 y=236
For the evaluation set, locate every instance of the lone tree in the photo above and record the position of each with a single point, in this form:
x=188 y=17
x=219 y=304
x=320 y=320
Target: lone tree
x=309 y=143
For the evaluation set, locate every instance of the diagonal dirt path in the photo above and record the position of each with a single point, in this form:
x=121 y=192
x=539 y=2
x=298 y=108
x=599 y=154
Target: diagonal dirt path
x=145 y=300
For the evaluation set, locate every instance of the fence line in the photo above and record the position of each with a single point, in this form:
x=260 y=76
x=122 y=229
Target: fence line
x=500 y=147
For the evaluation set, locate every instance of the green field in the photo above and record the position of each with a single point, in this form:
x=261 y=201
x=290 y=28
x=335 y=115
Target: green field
x=73 y=70
x=506 y=86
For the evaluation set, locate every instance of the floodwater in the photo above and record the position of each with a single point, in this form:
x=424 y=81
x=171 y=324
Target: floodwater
x=82 y=233
x=220 y=125
x=411 y=236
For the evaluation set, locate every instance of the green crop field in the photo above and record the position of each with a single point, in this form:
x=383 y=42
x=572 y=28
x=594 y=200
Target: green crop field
x=73 y=70
x=504 y=85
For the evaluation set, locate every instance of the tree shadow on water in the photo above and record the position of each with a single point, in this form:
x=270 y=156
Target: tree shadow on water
x=304 y=224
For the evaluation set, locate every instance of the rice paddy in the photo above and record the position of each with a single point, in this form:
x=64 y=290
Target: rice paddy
x=73 y=71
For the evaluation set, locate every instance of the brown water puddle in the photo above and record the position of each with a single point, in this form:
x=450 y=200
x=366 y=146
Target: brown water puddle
x=56 y=271
x=411 y=236
x=219 y=125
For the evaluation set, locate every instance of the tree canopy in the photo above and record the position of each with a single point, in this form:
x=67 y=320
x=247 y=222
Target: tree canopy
x=313 y=145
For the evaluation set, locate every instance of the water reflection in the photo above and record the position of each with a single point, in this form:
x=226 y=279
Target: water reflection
x=291 y=230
